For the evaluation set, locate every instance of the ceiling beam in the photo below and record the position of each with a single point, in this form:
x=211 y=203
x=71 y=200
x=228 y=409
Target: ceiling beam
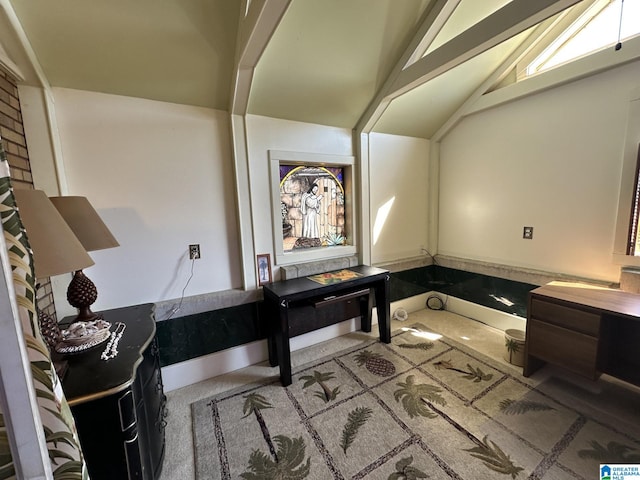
x=256 y=29
x=515 y=17
x=542 y=35
x=432 y=21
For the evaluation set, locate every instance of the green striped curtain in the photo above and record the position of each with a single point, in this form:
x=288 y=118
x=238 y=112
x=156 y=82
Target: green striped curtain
x=65 y=454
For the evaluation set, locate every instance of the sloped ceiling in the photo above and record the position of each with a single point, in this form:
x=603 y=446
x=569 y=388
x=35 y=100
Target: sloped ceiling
x=325 y=62
x=178 y=51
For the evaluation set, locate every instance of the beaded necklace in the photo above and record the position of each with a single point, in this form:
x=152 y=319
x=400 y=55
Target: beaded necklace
x=111 y=350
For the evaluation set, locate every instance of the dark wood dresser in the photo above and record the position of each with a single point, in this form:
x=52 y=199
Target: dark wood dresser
x=119 y=404
x=587 y=330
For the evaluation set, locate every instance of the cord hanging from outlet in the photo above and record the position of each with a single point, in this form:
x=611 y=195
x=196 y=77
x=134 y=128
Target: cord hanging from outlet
x=177 y=308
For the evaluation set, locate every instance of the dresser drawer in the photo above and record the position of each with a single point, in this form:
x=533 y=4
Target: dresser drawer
x=573 y=350
x=572 y=318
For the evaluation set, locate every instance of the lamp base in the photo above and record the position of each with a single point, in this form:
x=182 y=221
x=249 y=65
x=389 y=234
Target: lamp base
x=86 y=315
x=81 y=294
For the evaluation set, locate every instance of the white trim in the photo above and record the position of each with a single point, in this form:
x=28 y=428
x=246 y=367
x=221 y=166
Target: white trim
x=7 y=64
x=515 y=17
x=486 y=315
x=256 y=28
x=312 y=254
x=591 y=65
x=243 y=200
x=627 y=181
x=364 y=198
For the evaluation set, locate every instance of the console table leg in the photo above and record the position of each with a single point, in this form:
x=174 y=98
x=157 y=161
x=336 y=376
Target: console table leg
x=284 y=359
x=273 y=351
x=384 y=309
x=366 y=310
x=282 y=344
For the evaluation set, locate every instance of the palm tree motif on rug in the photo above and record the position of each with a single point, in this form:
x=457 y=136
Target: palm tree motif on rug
x=355 y=420
x=285 y=462
x=448 y=412
x=476 y=374
x=326 y=393
x=419 y=399
x=417 y=346
x=406 y=471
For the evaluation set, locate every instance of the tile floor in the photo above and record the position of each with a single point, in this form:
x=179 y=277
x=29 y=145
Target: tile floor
x=179 y=454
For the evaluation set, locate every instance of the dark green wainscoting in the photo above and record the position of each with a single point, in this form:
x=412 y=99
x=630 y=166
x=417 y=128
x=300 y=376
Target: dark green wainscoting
x=505 y=295
x=196 y=335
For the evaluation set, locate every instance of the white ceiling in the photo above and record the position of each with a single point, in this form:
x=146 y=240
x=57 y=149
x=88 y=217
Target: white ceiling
x=329 y=62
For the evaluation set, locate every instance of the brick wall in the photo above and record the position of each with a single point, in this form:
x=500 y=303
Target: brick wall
x=15 y=146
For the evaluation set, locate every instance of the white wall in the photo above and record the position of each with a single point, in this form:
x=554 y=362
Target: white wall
x=160 y=175
x=398 y=176
x=266 y=134
x=552 y=161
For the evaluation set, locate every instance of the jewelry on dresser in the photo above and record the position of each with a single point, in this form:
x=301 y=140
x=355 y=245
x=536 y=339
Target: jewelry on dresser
x=111 y=350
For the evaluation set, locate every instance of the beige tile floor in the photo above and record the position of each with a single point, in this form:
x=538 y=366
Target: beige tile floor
x=179 y=453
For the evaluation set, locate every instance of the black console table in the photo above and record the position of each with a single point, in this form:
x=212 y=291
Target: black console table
x=301 y=305
x=119 y=405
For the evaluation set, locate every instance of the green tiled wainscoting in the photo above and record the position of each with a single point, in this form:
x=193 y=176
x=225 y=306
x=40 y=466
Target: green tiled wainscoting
x=505 y=295
x=192 y=336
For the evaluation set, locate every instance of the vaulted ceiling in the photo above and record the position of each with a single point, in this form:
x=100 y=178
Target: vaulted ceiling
x=394 y=66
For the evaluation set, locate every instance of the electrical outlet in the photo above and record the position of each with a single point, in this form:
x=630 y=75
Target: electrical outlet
x=194 y=251
x=527 y=232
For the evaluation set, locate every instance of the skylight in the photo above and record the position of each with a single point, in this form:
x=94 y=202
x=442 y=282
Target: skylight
x=598 y=28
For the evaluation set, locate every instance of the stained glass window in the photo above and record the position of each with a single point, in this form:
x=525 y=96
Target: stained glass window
x=312 y=205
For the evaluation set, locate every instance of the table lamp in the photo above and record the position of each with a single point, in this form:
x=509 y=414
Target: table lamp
x=56 y=250
x=93 y=234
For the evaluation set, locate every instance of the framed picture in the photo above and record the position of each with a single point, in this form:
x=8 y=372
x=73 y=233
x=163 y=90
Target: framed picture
x=264 y=268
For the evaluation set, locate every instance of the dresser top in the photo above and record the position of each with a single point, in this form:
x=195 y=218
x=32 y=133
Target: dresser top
x=89 y=377
x=609 y=300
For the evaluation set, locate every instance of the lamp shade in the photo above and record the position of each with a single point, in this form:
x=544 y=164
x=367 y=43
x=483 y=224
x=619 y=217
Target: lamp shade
x=56 y=250
x=85 y=222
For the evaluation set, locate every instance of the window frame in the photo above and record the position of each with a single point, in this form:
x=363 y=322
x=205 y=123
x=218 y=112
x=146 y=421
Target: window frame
x=635 y=213
x=628 y=186
x=276 y=157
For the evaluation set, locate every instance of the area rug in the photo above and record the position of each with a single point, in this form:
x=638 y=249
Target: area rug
x=420 y=407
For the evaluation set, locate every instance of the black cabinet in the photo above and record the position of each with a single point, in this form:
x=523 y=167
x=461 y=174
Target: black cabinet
x=119 y=404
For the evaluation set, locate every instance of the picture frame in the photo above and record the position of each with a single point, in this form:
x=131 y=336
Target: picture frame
x=263 y=262
x=283 y=167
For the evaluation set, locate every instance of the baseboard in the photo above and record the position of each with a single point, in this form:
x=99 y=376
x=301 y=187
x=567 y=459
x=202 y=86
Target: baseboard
x=480 y=313
x=202 y=368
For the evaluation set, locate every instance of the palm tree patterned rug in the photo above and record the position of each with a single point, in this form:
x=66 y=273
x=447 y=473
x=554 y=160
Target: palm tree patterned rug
x=416 y=408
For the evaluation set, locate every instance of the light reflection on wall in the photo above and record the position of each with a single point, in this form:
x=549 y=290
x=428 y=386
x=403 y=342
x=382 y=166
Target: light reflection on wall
x=381 y=218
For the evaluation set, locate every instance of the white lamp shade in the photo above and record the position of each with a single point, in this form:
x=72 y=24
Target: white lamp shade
x=85 y=222
x=56 y=250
